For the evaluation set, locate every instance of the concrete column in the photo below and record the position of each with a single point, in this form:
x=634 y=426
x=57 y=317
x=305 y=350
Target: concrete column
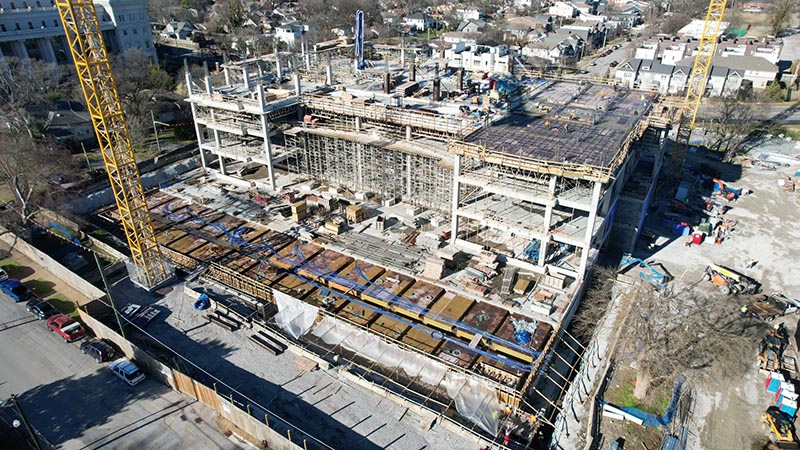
x=358 y=123
x=408 y=132
x=456 y=199
x=222 y=165
x=199 y=133
x=46 y=49
x=278 y=65
x=227 y=74
x=328 y=70
x=548 y=217
x=246 y=77
x=307 y=57
x=268 y=151
x=409 y=175
x=19 y=49
x=359 y=166
x=298 y=87
x=207 y=79
x=598 y=186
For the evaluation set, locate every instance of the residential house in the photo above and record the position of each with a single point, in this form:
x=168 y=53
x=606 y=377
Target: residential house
x=471 y=26
x=419 y=21
x=469 y=13
x=460 y=40
x=673 y=52
x=555 y=50
x=480 y=58
x=626 y=73
x=520 y=27
x=591 y=33
x=679 y=80
x=753 y=69
x=178 y=30
x=654 y=76
x=564 y=9
x=392 y=20
x=694 y=30
x=292 y=32
x=647 y=50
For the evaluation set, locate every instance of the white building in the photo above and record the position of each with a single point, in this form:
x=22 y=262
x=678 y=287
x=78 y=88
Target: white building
x=469 y=13
x=563 y=9
x=694 y=29
x=32 y=29
x=480 y=58
x=419 y=21
x=647 y=50
x=292 y=32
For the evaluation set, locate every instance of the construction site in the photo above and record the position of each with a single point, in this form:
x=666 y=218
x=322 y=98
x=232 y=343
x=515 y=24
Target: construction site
x=430 y=227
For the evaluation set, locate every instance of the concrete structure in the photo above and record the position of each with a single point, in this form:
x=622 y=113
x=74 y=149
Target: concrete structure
x=539 y=187
x=32 y=29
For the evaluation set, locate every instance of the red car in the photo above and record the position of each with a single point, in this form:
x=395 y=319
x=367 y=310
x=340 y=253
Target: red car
x=64 y=325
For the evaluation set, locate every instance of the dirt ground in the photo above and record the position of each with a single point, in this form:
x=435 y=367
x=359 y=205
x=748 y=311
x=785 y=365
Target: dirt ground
x=726 y=414
x=40 y=281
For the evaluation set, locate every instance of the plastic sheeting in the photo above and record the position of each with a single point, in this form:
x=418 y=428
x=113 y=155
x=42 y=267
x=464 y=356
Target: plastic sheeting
x=473 y=400
x=294 y=316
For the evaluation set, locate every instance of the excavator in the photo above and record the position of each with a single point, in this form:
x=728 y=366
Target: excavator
x=780 y=428
x=649 y=273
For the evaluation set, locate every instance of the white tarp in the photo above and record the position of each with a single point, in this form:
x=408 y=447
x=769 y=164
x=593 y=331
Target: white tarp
x=473 y=399
x=294 y=316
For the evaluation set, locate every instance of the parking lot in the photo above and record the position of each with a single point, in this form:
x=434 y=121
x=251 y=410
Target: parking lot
x=76 y=403
x=603 y=63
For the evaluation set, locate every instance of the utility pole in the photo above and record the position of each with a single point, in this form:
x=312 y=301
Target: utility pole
x=155 y=129
x=110 y=298
x=89 y=165
x=25 y=421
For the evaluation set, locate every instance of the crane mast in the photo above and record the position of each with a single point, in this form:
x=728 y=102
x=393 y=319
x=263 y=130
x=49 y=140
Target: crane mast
x=85 y=41
x=697 y=86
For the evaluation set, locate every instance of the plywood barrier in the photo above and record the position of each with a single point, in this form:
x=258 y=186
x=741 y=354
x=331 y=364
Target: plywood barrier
x=184 y=384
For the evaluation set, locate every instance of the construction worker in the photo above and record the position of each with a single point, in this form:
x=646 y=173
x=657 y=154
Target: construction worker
x=743 y=310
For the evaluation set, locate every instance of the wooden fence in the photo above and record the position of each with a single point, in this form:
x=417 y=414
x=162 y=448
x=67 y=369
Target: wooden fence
x=250 y=419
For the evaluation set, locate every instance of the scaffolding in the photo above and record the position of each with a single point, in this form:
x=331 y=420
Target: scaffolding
x=366 y=167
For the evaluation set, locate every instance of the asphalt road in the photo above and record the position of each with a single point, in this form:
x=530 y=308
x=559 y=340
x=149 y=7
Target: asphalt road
x=76 y=403
x=602 y=62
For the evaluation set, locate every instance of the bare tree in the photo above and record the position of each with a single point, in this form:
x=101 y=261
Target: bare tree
x=778 y=13
x=733 y=123
x=26 y=169
x=138 y=81
x=675 y=22
x=23 y=84
x=594 y=303
x=686 y=334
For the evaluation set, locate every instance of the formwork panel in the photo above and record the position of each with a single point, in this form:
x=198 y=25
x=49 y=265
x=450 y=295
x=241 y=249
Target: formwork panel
x=357 y=314
x=292 y=256
x=422 y=339
x=457 y=355
x=328 y=262
x=295 y=287
x=260 y=271
x=450 y=307
x=209 y=252
x=386 y=287
x=389 y=327
x=170 y=235
x=187 y=244
x=483 y=317
x=421 y=295
x=350 y=273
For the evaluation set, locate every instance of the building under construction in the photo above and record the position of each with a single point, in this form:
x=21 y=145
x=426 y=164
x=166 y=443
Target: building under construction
x=432 y=228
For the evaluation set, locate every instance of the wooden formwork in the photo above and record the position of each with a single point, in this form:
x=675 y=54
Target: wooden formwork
x=238 y=281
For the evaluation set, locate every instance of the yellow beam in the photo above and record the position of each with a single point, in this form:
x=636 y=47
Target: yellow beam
x=697 y=86
x=85 y=41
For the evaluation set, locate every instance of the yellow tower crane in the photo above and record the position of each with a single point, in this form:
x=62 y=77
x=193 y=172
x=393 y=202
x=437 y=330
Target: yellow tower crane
x=88 y=50
x=697 y=86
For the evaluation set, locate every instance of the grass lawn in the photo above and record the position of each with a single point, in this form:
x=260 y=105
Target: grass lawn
x=620 y=393
x=14 y=270
x=64 y=305
x=40 y=287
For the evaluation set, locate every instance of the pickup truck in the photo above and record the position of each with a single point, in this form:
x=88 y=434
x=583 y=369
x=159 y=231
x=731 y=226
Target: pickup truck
x=16 y=290
x=768 y=307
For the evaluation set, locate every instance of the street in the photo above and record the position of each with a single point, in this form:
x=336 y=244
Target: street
x=602 y=62
x=76 y=403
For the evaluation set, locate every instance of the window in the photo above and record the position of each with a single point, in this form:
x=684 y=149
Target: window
x=16 y=25
x=38 y=4
x=44 y=25
x=125 y=32
x=3 y=27
x=30 y=25
x=13 y=6
x=55 y=23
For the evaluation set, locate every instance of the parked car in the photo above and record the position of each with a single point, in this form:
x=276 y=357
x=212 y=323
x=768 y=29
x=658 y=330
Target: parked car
x=99 y=349
x=16 y=290
x=68 y=328
x=127 y=371
x=613 y=64
x=593 y=63
x=3 y=274
x=41 y=309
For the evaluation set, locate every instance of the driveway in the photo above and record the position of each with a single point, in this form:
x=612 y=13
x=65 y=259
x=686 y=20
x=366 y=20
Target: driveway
x=76 y=403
